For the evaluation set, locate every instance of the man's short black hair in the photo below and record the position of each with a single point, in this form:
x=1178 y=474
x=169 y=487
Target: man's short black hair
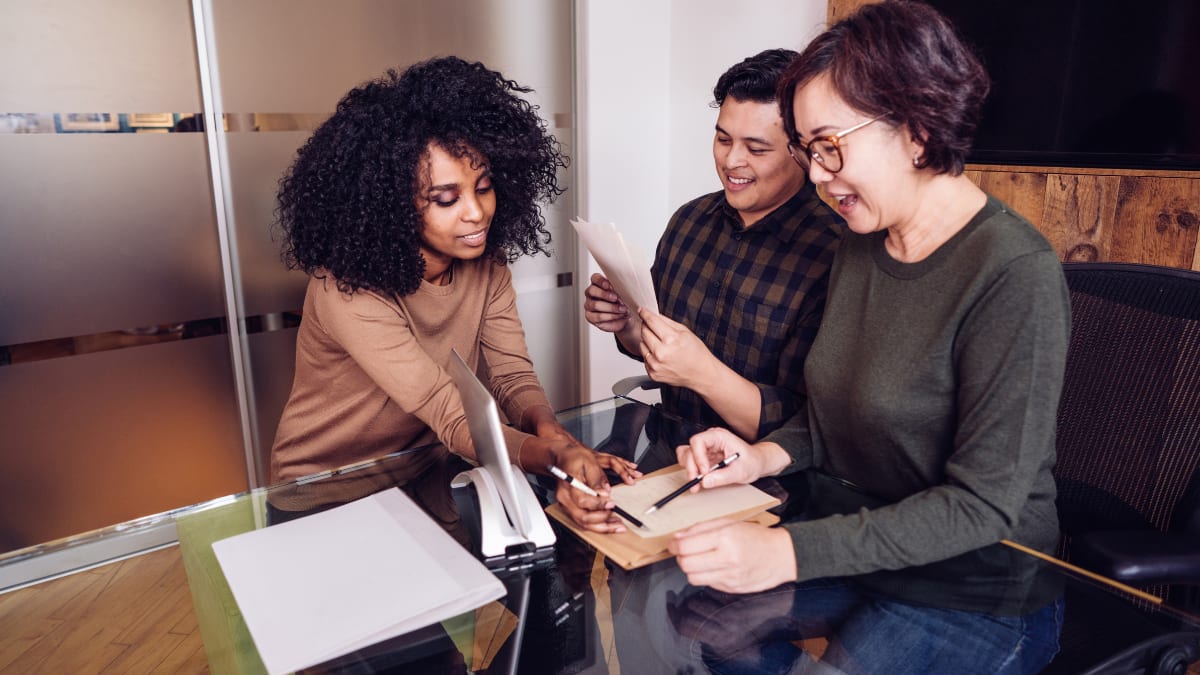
x=753 y=79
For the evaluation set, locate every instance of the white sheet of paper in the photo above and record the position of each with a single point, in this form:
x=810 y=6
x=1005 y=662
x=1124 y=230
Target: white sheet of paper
x=322 y=586
x=686 y=509
x=625 y=265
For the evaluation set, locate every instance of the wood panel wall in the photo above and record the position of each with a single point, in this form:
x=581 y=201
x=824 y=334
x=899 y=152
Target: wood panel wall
x=1098 y=215
x=1120 y=215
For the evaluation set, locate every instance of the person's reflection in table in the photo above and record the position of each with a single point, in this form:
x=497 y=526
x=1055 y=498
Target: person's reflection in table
x=754 y=633
x=429 y=488
x=668 y=626
x=761 y=632
x=662 y=624
x=649 y=603
x=643 y=632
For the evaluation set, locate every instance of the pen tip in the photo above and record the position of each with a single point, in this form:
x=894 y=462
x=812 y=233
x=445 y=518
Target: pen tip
x=650 y=510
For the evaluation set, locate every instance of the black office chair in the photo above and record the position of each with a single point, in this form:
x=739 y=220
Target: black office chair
x=625 y=386
x=1128 y=468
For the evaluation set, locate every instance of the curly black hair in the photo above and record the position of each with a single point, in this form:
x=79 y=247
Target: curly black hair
x=347 y=205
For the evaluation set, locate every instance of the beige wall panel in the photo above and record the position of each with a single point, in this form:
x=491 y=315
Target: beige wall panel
x=111 y=56
x=256 y=163
x=303 y=55
x=108 y=437
x=106 y=232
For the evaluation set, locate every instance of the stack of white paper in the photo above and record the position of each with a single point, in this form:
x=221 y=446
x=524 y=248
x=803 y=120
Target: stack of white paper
x=322 y=586
x=624 y=265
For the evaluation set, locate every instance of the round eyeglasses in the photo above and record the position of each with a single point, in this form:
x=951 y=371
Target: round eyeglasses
x=825 y=150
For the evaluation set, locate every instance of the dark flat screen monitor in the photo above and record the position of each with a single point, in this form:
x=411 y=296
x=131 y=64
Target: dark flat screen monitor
x=1090 y=83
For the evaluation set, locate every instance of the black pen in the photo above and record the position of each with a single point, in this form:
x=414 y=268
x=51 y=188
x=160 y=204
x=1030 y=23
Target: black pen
x=688 y=485
x=583 y=487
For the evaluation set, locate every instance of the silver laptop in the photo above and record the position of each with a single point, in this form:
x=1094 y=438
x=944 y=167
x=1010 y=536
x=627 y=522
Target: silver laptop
x=483 y=419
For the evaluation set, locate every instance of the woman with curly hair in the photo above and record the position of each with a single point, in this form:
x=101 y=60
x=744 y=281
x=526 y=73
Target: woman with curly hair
x=404 y=208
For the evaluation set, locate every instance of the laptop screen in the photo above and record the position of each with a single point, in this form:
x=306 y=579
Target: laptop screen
x=483 y=419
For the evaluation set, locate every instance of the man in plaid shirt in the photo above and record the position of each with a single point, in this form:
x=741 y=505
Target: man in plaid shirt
x=741 y=274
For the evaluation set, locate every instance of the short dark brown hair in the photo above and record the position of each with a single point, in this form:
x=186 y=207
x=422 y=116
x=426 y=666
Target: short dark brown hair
x=902 y=60
x=754 y=79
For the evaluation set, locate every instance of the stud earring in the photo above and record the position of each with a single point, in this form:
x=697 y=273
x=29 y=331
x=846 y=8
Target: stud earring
x=917 y=162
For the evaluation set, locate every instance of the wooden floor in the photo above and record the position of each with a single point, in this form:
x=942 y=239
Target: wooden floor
x=132 y=616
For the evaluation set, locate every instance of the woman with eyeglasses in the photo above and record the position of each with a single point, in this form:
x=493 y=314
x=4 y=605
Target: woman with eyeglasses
x=932 y=385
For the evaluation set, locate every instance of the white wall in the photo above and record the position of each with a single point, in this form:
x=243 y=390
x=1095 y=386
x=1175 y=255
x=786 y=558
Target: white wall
x=645 y=71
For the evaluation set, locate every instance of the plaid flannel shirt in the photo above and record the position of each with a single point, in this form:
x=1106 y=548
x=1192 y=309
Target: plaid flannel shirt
x=753 y=295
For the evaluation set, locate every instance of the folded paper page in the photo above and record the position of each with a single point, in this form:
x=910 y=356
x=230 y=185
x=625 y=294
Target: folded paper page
x=322 y=586
x=625 y=265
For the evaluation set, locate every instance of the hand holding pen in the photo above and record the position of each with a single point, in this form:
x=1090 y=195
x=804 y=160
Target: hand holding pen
x=692 y=483
x=584 y=488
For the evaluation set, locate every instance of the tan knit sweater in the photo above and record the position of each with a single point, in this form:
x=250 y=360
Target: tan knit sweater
x=371 y=372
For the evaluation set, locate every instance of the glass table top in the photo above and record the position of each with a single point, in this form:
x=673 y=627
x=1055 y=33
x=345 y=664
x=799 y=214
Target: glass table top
x=571 y=612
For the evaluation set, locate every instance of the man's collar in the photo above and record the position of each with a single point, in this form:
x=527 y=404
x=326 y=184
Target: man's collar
x=785 y=222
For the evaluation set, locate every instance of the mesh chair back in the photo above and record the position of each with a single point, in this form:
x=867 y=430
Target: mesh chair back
x=1129 y=420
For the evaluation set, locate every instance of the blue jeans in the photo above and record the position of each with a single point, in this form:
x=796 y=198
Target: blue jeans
x=754 y=633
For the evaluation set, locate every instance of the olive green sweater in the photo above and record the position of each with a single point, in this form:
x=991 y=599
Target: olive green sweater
x=934 y=387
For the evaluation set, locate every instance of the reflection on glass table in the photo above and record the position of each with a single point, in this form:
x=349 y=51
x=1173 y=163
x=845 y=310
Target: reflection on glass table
x=573 y=612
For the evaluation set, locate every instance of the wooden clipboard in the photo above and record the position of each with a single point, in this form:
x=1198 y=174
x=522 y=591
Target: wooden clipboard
x=631 y=551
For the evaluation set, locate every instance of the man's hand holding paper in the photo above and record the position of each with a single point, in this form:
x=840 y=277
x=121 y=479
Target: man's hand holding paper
x=602 y=307
x=673 y=354
x=625 y=266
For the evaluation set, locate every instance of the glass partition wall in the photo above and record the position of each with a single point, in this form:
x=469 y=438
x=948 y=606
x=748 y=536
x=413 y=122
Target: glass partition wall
x=147 y=329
